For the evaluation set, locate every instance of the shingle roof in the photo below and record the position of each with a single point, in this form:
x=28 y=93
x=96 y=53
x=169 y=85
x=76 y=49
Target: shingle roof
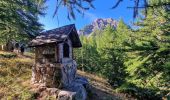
x=57 y=35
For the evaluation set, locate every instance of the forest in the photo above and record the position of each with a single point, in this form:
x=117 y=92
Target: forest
x=137 y=60
x=133 y=59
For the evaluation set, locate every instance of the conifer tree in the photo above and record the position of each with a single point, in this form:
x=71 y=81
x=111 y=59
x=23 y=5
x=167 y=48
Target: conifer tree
x=19 y=19
x=149 y=63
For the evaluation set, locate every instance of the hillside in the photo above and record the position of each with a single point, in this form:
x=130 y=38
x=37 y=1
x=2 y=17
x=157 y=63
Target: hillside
x=15 y=75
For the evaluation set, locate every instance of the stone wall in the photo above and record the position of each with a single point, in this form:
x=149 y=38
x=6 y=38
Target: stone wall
x=48 y=75
x=54 y=75
x=62 y=77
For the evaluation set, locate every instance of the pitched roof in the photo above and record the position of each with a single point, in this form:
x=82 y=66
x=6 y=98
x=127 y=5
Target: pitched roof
x=57 y=35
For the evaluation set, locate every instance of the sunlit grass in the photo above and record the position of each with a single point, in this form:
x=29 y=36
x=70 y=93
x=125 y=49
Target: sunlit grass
x=7 y=54
x=15 y=74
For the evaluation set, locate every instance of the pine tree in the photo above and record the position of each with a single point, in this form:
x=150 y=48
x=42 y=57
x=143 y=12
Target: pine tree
x=19 y=19
x=111 y=49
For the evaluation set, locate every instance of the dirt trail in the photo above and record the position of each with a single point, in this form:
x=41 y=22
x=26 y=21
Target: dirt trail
x=101 y=89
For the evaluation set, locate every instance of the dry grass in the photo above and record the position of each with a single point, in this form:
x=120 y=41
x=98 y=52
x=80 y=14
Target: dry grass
x=14 y=78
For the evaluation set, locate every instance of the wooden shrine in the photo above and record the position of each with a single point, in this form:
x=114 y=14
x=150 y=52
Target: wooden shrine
x=54 y=65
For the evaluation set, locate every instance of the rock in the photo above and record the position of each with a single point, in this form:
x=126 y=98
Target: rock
x=81 y=93
x=81 y=80
x=33 y=78
x=57 y=78
x=98 y=24
x=53 y=91
x=77 y=86
x=41 y=88
x=68 y=73
x=66 y=95
x=85 y=83
x=73 y=87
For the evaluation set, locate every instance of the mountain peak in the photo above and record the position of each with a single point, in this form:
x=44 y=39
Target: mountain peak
x=98 y=24
x=103 y=19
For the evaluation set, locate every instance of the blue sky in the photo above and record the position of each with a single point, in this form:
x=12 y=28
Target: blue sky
x=102 y=10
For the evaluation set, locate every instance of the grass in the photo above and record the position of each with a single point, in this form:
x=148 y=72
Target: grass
x=7 y=54
x=14 y=78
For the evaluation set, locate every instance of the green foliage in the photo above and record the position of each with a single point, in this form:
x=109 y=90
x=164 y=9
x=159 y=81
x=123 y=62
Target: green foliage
x=19 y=19
x=87 y=56
x=140 y=93
x=110 y=47
x=149 y=55
x=133 y=61
x=103 y=53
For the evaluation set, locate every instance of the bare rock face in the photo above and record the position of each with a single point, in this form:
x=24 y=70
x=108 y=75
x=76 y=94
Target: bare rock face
x=98 y=24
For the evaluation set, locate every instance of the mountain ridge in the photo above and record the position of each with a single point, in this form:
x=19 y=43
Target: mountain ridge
x=98 y=24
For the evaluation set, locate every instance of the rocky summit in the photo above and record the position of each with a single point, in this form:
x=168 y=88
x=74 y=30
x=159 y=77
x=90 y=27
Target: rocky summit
x=98 y=24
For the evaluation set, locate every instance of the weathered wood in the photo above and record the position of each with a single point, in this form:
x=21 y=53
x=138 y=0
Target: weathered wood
x=57 y=35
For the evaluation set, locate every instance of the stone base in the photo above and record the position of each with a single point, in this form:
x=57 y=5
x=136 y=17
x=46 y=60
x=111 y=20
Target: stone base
x=75 y=91
x=60 y=81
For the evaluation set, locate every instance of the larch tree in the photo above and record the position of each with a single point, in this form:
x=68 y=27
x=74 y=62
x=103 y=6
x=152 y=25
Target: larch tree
x=19 y=19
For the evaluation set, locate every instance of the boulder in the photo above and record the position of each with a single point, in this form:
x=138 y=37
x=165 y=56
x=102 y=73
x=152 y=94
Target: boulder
x=81 y=80
x=52 y=91
x=75 y=90
x=66 y=95
x=79 y=89
x=84 y=82
x=68 y=73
